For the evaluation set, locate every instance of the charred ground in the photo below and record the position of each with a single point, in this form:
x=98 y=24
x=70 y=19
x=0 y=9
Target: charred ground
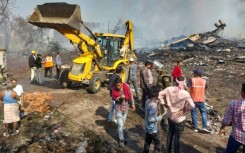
x=77 y=116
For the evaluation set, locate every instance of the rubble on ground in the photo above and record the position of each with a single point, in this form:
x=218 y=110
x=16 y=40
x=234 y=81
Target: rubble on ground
x=57 y=134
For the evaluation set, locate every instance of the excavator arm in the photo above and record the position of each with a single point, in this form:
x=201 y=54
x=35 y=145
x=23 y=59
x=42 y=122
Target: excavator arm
x=66 y=19
x=129 y=36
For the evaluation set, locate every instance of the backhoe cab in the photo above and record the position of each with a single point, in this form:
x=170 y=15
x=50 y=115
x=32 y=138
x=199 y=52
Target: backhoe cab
x=100 y=53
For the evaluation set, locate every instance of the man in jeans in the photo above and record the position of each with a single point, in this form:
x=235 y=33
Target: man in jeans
x=110 y=86
x=235 y=115
x=177 y=101
x=121 y=94
x=132 y=78
x=197 y=90
x=151 y=120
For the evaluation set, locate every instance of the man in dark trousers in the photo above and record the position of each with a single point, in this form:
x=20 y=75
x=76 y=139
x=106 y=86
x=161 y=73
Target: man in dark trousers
x=146 y=81
x=58 y=65
x=132 y=77
x=32 y=65
x=112 y=82
x=38 y=62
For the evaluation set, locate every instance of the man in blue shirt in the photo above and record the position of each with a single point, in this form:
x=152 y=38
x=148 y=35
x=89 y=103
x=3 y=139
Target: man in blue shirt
x=151 y=120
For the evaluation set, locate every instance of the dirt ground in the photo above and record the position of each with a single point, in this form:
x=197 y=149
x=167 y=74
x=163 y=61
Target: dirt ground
x=79 y=116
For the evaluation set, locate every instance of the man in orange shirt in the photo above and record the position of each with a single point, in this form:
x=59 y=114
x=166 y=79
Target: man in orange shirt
x=48 y=64
x=197 y=87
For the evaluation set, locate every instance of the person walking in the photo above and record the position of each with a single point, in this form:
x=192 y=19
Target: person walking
x=58 y=65
x=235 y=115
x=110 y=86
x=48 y=64
x=39 y=68
x=177 y=101
x=11 y=109
x=146 y=81
x=121 y=94
x=32 y=65
x=197 y=87
x=177 y=70
x=151 y=120
x=132 y=77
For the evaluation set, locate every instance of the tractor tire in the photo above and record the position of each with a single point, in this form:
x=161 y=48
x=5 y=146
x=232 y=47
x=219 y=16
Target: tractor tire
x=94 y=84
x=63 y=79
x=124 y=73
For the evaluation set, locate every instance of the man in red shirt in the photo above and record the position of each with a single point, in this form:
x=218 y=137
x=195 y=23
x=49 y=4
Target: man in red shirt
x=177 y=71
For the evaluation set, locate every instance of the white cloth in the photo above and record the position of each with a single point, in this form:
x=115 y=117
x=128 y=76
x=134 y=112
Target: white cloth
x=11 y=113
x=19 y=90
x=150 y=77
x=33 y=73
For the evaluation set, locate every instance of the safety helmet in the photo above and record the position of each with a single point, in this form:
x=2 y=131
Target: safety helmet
x=33 y=51
x=131 y=59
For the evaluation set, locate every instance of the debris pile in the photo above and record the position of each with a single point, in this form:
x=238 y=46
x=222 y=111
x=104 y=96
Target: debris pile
x=204 y=41
x=53 y=135
x=36 y=102
x=214 y=117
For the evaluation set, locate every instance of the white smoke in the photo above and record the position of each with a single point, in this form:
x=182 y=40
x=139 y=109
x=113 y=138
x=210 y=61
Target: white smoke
x=164 y=19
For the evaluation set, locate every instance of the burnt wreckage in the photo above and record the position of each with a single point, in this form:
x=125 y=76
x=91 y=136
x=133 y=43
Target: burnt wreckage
x=204 y=41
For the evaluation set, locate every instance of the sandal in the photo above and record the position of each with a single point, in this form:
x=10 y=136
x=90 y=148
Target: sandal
x=6 y=134
x=16 y=132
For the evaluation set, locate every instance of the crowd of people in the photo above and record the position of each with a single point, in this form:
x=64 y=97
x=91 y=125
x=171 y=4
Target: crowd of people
x=172 y=93
x=177 y=96
x=37 y=61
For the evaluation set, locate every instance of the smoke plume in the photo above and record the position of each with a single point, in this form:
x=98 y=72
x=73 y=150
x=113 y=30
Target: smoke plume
x=163 y=19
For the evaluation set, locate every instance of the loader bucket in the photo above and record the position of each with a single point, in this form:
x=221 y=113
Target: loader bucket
x=57 y=16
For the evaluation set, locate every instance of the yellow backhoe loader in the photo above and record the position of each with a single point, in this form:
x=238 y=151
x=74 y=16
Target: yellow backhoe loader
x=100 y=52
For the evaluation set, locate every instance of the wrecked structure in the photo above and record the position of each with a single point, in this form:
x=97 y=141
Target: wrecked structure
x=204 y=41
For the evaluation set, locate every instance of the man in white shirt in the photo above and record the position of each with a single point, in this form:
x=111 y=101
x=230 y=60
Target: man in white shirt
x=18 y=89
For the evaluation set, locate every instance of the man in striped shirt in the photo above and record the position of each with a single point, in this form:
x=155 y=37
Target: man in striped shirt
x=235 y=115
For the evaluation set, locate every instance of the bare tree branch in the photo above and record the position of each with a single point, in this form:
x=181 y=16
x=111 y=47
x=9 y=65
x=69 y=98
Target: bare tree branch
x=4 y=7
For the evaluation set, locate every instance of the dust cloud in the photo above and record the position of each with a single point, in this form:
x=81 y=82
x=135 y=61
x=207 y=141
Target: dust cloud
x=164 y=19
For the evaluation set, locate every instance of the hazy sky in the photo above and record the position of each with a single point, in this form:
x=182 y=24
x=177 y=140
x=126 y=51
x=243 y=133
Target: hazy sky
x=159 y=19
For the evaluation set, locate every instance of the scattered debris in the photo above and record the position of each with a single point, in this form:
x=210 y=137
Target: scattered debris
x=240 y=59
x=82 y=147
x=204 y=41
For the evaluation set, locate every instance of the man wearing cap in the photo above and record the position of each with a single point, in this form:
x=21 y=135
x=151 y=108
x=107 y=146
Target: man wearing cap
x=32 y=65
x=132 y=76
x=197 y=87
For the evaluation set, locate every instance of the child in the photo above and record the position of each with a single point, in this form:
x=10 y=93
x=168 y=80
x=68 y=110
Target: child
x=151 y=120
